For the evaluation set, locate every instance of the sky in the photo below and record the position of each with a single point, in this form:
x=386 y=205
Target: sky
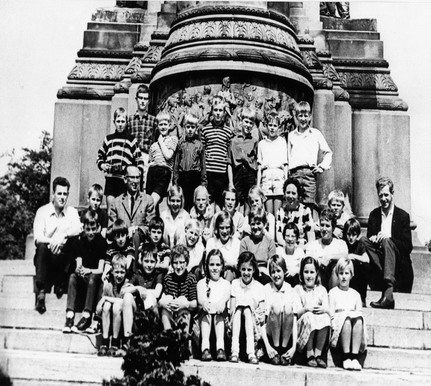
x=40 y=39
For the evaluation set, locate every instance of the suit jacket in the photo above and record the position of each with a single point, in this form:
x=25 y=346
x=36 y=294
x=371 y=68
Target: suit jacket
x=143 y=211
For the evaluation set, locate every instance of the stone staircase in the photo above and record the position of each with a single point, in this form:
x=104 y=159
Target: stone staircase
x=33 y=350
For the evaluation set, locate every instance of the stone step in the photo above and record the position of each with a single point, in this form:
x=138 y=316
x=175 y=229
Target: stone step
x=114 y=26
x=353 y=48
x=413 y=301
x=62 y=368
x=343 y=34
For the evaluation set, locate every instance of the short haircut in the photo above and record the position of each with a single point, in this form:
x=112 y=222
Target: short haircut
x=249 y=113
x=352 y=226
x=344 y=263
x=248 y=257
x=60 y=181
x=277 y=261
x=95 y=188
x=302 y=107
x=193 y=223
x=176 y=190
x=213 y=252
x=119 y=111
x=201 y=189
x=191 y=119
x=163 y=116
x=385 y=181
x=256 y=190
x=273 y=116
x=230 y=190
x=91 y=218
x=336 y=195
x=328 y=214
x=294 y=227
x=119 y=228
x=156 y=223
x=119 y=261
x=147 y=249
x=217 y=100
x=180 y=250
x=309 y=260
x=142 y=89
x=224 y=215
x=295 y=182
x=257 y=214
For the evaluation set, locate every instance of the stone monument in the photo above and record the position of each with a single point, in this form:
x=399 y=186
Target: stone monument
x=264 y=54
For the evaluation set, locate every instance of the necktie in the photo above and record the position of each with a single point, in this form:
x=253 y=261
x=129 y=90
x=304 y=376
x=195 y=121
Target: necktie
x=132 y=203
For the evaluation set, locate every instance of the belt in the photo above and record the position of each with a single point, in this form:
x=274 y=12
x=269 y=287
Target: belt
x=301 y=167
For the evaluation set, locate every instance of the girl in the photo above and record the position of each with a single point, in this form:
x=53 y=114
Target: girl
x=314 y=321
x=230 y=201
x=247 y=303
x=291 y=253
x=175 y=217
x=282 y=305
x=348 y=325
x=327 y=249
x=203 y=211
x=223 y=239
x=359 y=257
x=294 y=211
x=194 y=245
x=213 y=295
x=272 y=164
x=256 y=199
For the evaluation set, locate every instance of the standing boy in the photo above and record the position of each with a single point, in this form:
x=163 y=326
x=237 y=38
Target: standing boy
x=216 y=137
x=304 y=146
x=189 y=167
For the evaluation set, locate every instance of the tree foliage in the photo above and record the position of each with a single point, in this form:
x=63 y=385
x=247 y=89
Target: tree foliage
x=23 y=189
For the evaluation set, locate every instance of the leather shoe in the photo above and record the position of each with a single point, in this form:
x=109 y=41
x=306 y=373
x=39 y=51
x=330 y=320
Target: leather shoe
x=58 y=290
x=384 y=303
x=40 y=303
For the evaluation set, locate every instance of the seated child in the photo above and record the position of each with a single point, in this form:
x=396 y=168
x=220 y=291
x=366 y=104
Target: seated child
x=348 y=327
x=279 y=333
x=313 y=316
x=213 y=295
x=359 y=257
x=337 y=204
x=121 y=244
x=89 y=252
x=259 y=243
x=110 y=307
x=193 y=243
x=179 y=298
x=161 y=160
x=175 y=217
x=256 y=199
x=203 y=211
x=95 y=196
x=247 y=306
x=229 y=199
x=291 y=253
x=189 y=167
x=327 y=250
x=224 y=241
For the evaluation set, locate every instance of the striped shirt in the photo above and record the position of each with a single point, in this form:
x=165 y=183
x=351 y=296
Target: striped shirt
x=190 y=157
x=119 y=150
x=156 y=156
x=216 y=141
x=184 y=285
x=142 y=128
x=114 y=249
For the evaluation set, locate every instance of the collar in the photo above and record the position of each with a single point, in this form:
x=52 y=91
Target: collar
x=53 y=212
x=248 y=136
x=306 y=131
x=243 y=285
x=390 y=212
x=138 y=115
x=284 y=288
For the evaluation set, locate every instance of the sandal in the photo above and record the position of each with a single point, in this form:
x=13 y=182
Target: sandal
x=311 y=361
x=321 y=362
x=112 y=351
x=103 y=351
x=234 y=358
x=252 y=359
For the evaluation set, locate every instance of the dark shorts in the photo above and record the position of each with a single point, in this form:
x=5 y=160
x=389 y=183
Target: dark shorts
x=243 y=178
x=189 y=181
x=114 y=186
x=158 y=179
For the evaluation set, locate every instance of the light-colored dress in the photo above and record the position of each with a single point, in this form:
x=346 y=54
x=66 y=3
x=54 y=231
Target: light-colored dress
x=309 y=321
x=229 y=250
x=345 y=304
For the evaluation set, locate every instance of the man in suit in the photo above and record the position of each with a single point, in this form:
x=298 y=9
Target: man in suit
x=389 y=245
x=135 y=208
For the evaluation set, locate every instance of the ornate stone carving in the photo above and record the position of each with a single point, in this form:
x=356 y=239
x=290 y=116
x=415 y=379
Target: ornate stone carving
x=330 y=72
x=122 y=87
x=85 y=93
x=123 y=15
x=367 y=81
x=133 y=66
x=310 y=59
x=99 y=71
x=361 y=62
x=153 y=54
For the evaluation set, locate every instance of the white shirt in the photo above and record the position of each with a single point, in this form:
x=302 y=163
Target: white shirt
x=230 y=250
x=174 y=228
x=247 y=295
x=303 y=149
x=285 y=297
x=325 y=253
x=218 y=291
x=386 y=229
x=272 y=154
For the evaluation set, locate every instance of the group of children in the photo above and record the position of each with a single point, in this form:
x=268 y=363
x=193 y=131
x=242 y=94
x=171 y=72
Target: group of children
x=238 y=254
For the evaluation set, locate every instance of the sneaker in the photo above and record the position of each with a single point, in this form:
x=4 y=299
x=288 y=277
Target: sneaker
x=221 y=355
x=83 y=324
x=93 y=328
x=252 y=359
x=206 y=356
x=347 y=364
x=67 y=329
x=58 y=290
x=355 y=365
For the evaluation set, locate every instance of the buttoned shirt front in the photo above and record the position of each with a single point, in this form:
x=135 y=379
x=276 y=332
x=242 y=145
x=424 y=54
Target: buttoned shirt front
x=386 y=229
x=243 y=151
x=142 y=128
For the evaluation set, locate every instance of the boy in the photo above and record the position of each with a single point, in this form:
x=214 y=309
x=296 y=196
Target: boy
x=161 y=160
x=242 y=162
x=89 y=252
x=119 y=150
x=111 y=307
x=95 y=196
x=121 y=244
x=303 y=148
x=336 y=203
x=259 y=243
x=216 y=137
x=179 y=297
x=189 y=167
